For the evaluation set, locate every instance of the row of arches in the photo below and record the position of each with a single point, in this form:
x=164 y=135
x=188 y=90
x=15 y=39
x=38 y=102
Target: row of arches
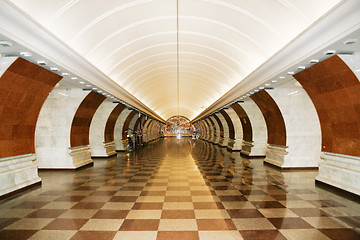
x=311 y=122
x=47 y=126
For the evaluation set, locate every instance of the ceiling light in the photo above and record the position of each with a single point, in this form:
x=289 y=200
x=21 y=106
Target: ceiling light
x=281 y=77
x=100 y=91
x=81 y=82
x=261 y=88
x=5 y=43
x=350 y=41
x=247 y=94
x=256 y=90
x=41 y=62
x=65 y=74
x=88 y=85
x=314 y=61
x=251 y=93
x=267 y=84
x=26 y=54
x=273 y=81
x=290 y=73
x=74 y=78
x=330 y=52
x=301 y=67
x=357 y=70
x=94 y=88
x=55 y=69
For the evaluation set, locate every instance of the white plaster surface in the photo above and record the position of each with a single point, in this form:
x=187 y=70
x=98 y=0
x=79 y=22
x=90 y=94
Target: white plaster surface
x=98 y=147
x=18 y=172
x=118 y=129
x=52 y=135
x=259 y=130
x=5 y=63
x=237 y=128
x=303 y=134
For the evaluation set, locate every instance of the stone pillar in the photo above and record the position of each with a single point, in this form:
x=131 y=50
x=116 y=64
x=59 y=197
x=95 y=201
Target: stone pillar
x=119 y=145
x=238 y=140
x=225 y=140
x=217 y=131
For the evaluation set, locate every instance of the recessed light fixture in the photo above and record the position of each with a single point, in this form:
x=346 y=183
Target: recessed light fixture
x=6 y=43
x=350 y=41
x=74 y=78
x=281 y=77
x=55 y=69
x=314 y=61
x=273 y=81
x=247 y=94
x=26 y=54
x=290 y=73
x=357 y=70
x=88 y=85
x=65 y=74
x=301 y=67
x=267 y=84
x=41 y=62
x=82 y=82
x=94 y=88
x=330 y=52
x=261 y=88
x=100 y=91
x=256 y=90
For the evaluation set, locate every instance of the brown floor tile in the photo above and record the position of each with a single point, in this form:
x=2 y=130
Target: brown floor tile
x=201 y=193
x=208 y=205
x=262 y=235
x=46 y=213
x=341 y=234
x=244 y=213
x=178 y=199
x=156 y=184
x=103 y=193
x=174 y=235
x=148 y=206
x=30 y=205
x=132 y=188
x=285 y=197
x=4 y=222
x=111 y=214
x=140 y=225
x=229 y=187
x=290 y=223
x=153 y=193
x=66 y=224
x=178 y=214
x=215 y=224
x=70 y=198
x=123 y=199
x=54 y=192
x=94 y=235
x=253 y=192
x=178 y=188
x=351 y=221
x=326 y=203
x=86 y=188
x=16 y=235
x=88 y=205
x=267 y=204
x=309 y=212
x=232 y=198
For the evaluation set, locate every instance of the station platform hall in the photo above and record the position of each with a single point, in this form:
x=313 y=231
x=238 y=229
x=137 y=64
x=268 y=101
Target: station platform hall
x=180 y=119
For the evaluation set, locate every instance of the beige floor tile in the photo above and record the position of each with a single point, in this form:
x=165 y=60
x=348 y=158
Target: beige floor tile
x=59 y=205
x=260 y=198
x=301 y=234
x=53 y=235
x=178 y=205
x=127 y=193
x=211 y=214
x=177 y=225
x=277 y=212
x=135 y=235
x=178 y=193
x=220 y=235
x=102 y=225
x=15 y=213
x=200 y=188
x=79 y=193
x=297 y=204
x=178 y=184
x=78 y=213
x=155 y=188
x=252 y=224
x=238 y=205
x=325 y=222
x=118 y=205
x=30 y=223
x=150 y=199
x=96 y=199
x=144 y=214
x=205 y=199
x=228 y=192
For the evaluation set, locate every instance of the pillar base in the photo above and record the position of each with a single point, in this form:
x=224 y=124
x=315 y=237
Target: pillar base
x=80 y=155
x=341 y=171
x=107 y=150
x=249 y=149
x=276 y=155
x=18 y=172
x=237 y=145
x=231 y=143
x=223 y=142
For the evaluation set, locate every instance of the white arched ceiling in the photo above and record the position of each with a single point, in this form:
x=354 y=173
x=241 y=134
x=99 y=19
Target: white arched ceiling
x=134 y=42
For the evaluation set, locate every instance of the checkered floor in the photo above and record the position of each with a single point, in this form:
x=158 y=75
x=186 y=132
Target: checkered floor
x=178 y=189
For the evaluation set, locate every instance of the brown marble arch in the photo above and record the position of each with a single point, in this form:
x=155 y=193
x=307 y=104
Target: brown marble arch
x=213 y=126
x=274 y=120
x=110 y=123
x=335 y=91
x=127 y=123
x=245 y=121
x=207 y=126
x=79 y=134
x=229 y=123
x=220 y=125
x=24 y=89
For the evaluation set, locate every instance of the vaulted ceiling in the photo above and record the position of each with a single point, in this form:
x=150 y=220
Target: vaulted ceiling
x=176 y=56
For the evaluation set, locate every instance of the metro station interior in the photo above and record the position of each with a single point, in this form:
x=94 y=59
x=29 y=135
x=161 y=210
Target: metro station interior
x=180 y=119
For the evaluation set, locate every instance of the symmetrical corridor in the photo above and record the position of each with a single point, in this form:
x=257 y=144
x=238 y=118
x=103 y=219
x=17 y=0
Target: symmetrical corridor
x=178 y=189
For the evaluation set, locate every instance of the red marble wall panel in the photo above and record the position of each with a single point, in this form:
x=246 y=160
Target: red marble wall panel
x=24 y=89
x=245 y=121
x=220 y=125
x=127 y=123
x=229 y=123
x=274 y=120
x=110 y=123
x=79 y=134
x=335 y=91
